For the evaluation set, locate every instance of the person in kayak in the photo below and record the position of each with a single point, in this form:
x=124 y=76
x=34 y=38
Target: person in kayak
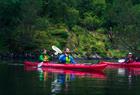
x=66 y=58
x=130 y=58
x=44 y=57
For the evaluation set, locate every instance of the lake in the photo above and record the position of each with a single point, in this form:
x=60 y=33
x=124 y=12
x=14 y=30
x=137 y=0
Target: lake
x=17 y=80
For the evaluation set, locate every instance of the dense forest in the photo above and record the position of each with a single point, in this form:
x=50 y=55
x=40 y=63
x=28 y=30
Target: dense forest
x=109 y=28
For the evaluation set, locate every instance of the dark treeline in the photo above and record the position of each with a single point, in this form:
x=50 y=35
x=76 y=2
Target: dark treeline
x=104 y=27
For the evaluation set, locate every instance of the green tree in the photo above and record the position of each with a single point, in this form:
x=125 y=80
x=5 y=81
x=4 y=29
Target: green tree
x=126 y=26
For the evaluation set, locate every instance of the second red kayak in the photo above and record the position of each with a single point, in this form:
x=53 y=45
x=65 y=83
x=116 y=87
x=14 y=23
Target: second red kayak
x=134 y=64
x=68 y=66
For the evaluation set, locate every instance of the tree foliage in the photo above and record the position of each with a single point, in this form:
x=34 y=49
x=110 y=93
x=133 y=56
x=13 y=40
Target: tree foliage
x=87 y=26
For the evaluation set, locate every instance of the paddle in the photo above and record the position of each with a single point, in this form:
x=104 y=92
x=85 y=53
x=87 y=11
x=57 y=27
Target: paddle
x=40 y=64
x=121 y=60
x=57 y=51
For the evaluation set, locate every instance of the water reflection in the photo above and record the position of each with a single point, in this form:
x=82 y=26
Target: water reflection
x=128 y=74
x=60 y=78
x=56 y=84
x=79 y=73
x=43 y=75
x=126 y=71
x=60 y=81
x=41 y=81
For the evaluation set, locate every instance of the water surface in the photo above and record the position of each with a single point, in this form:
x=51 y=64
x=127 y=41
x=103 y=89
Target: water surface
x=18 y=80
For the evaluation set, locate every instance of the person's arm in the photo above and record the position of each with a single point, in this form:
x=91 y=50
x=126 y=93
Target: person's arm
x=126 y=60
x=41 y=58
x=61 y=58
x=72 y=60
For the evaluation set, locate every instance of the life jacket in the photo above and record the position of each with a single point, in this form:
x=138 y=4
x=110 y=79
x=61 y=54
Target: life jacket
x=46 y=58
x=67 y=59
x=43 y=58
x=64 y=59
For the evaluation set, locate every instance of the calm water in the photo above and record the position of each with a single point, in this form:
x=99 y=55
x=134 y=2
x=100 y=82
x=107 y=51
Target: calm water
x=18 y=80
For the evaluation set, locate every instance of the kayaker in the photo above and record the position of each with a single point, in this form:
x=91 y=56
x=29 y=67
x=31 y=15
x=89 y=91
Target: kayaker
x=66 y=58
x=44 y=57
x=130 y=58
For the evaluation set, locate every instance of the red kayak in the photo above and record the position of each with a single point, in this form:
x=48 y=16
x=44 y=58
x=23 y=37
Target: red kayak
x=93 y=74
x=133 y=64
x=68 y=66
x=128 y=69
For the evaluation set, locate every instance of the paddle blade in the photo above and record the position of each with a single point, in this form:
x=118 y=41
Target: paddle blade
x=57 y=50
x=56 y=53
x=121 y=60
x=40 y=64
